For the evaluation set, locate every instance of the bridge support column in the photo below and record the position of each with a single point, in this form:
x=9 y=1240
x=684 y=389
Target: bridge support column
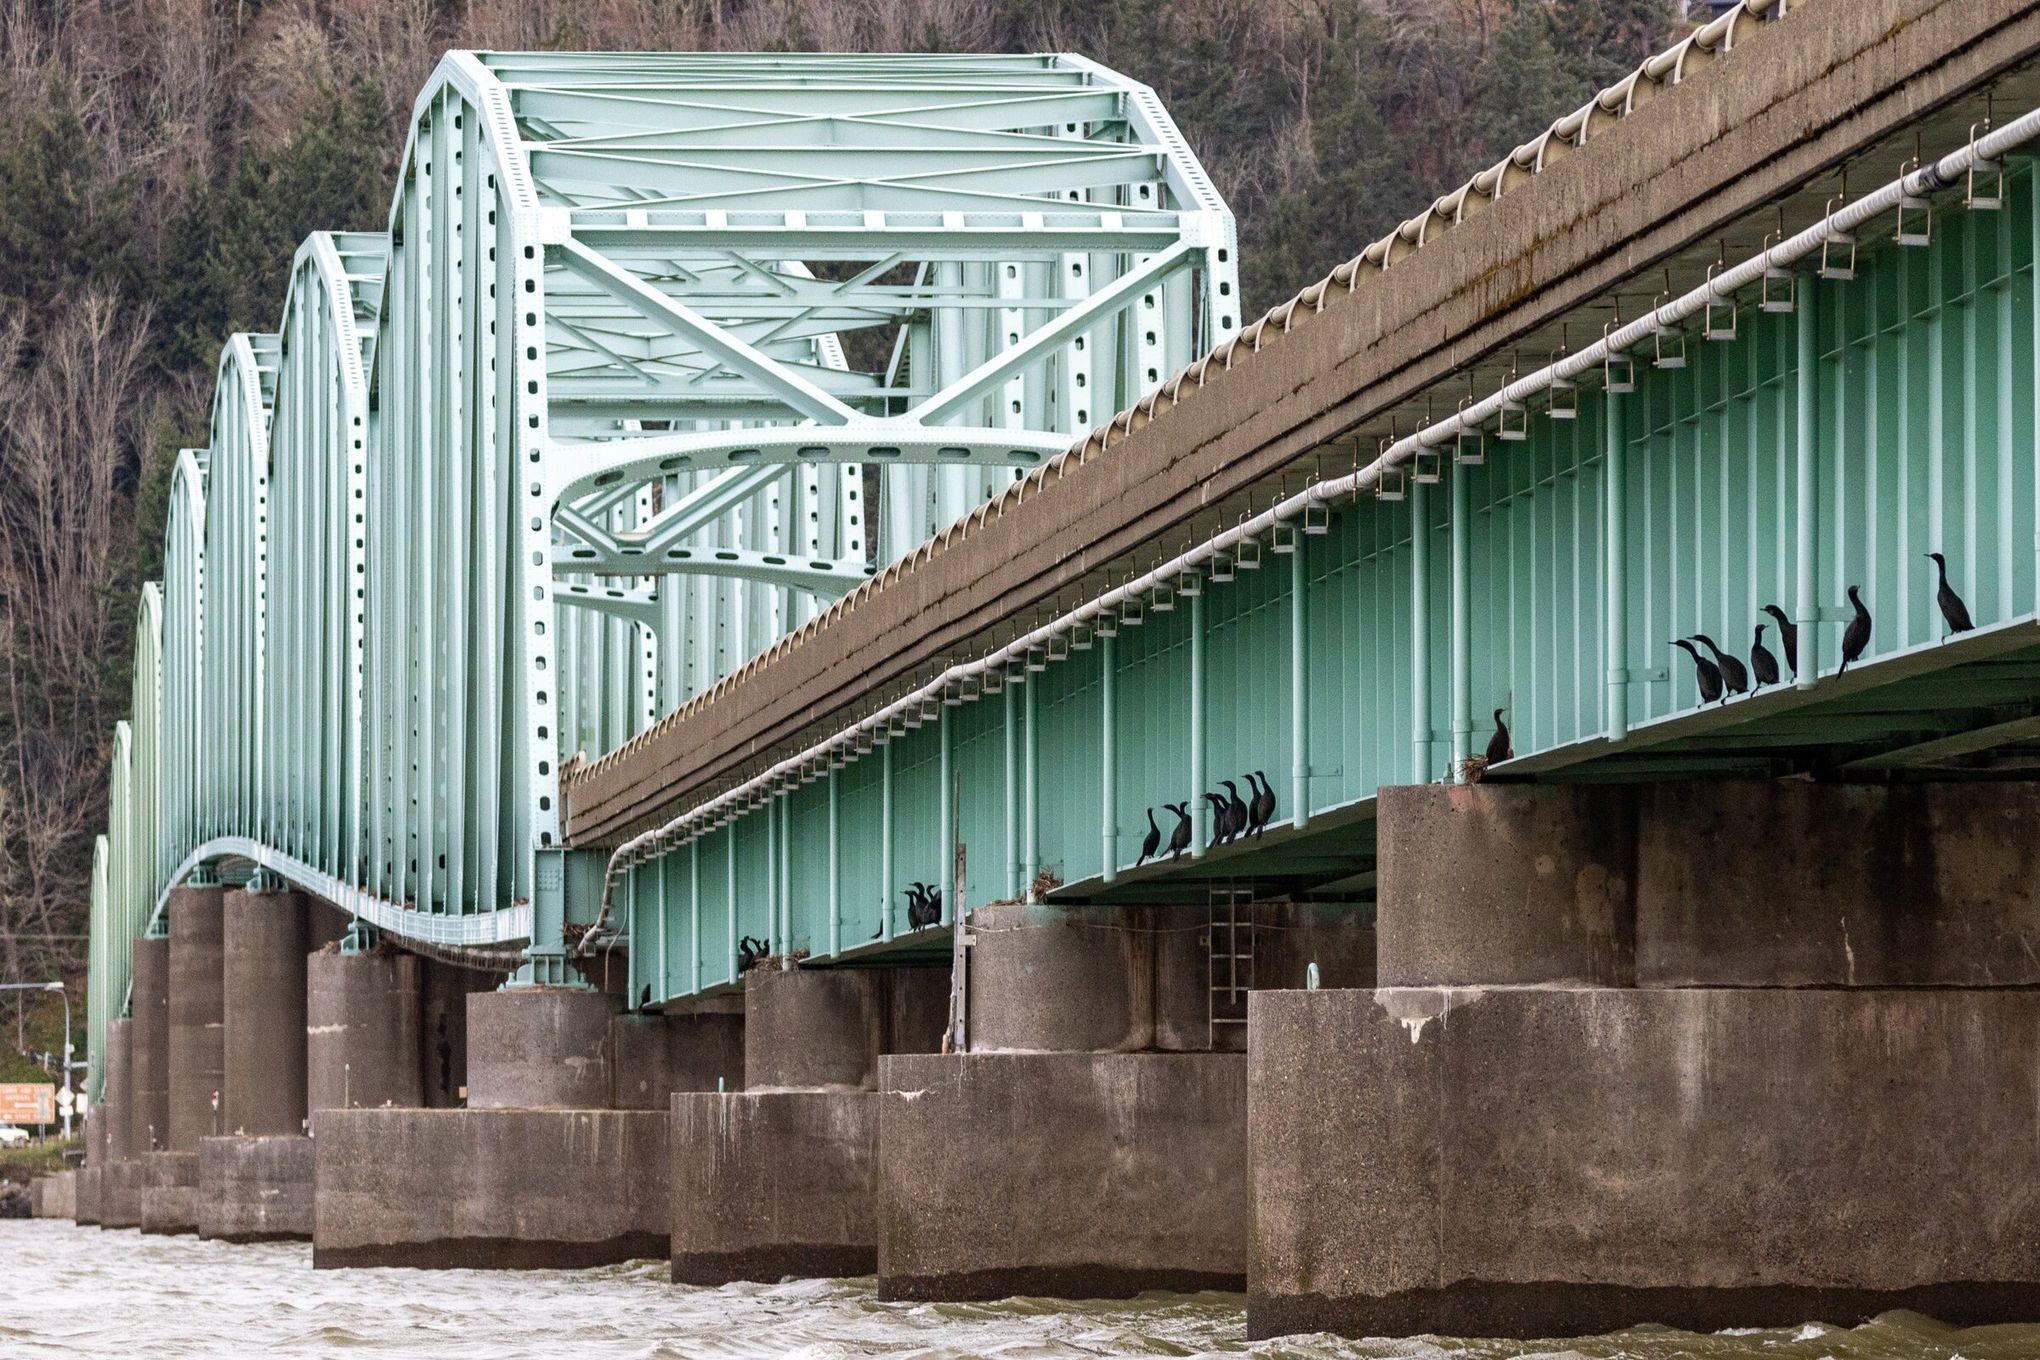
x=361 y=1030
x=197 y=1010
x=254 y=1182
x=540 y=1048
x=1681 y=1054
x=781 y=1179
x=120 y=1191
x=1094 y=1049
x=560 y=1159
x=149 y=1121
x=255 y=1189
x=85 y=1191
x=264 y=1046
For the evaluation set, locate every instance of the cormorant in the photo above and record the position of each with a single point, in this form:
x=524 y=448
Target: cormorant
x=1500 y=747
x=1763 y=665
x=1221 y=818
x=1236 y=811
x=1262 y=810
x=1856 y=637
x=1788 y=633
x=1952 y=608
x=1705 y=673
x=1179 y=839
x=1733 y=676
x=1152 y=843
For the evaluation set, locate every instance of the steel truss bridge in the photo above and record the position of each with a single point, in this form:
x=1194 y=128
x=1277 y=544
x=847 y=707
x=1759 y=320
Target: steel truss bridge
x=591 y=434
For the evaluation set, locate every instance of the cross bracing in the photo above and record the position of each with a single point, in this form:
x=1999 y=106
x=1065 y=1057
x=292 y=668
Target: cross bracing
x=600 y=416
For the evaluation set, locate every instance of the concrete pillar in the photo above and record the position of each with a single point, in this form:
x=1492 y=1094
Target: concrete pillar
x=442 y=1028
x=1143 y=973
x=1507 y=884
x=361 y=1030
x=656 y=1055
x=255 y=1189
x=824 y=1029
x=149 y=1121
x=1687 y=1052
x=169 y=1192
x=781 y=1178
x=540 y=1048
x=504 y=1189
x=117 y=1095
x=1096 y=1047
x=265 y=1013
x=197 y=1013
x=1080 y=1175
x=121 y=1178
x=86 y=1204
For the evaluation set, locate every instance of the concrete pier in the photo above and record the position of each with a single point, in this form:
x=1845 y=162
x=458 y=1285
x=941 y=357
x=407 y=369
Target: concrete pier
x=197 y=1013
x=1092 y=1141
x=495 y=1189
x=255 y=1189
x=361 y=1030
x=169 y=1193
x=86 y=1190
x=443 y=994
x=781 y=1178
x=149 y=1005
x=121 y=1175
x=264 y=1046
x=55 y=1195
x=1083 y=1175
x=542 y=1170
x=1702 y=1055
x=539 y=1048
x=117 y=1092
x=698 y=1049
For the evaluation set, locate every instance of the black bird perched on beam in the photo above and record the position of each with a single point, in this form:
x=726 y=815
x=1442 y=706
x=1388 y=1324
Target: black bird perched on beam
x=750 y=952
x=1705 y=673
x=1237 y=810
x=1221 y=818
x=1788 y=634
x=1262 y=810
x=1763 y=665
x=916 y=895
x=1152 y=843
x=927 y=910
x=1179 y=839
x=1500 y=746
x=1733 y=676
x=1856 y=637
x=1952 y=608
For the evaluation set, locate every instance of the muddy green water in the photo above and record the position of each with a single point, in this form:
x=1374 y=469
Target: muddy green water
x=68 y=1291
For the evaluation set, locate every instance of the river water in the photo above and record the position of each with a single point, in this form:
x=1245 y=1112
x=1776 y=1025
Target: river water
x=69 y=1292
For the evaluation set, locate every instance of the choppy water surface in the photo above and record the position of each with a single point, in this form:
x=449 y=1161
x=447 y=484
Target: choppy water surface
x=68 y=1291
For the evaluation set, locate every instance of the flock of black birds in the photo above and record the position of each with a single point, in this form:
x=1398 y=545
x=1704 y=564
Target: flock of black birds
x=1232 y=817
x=924 y=905
x=1720 y=675
x=1724 y=676
x=750 y=952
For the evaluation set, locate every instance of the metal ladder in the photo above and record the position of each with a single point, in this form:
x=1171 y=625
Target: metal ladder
x=1229 y=934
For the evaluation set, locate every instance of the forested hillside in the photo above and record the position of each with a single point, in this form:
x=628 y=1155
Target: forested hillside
x=161 y=159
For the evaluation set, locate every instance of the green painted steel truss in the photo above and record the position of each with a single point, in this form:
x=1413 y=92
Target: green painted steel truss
x=596 y=420
x=1824 y=428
